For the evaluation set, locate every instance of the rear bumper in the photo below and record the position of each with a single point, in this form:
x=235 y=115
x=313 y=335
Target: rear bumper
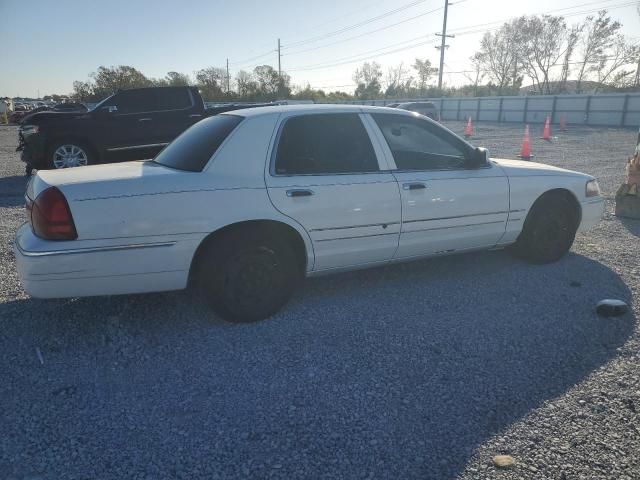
x=592 y=211
x=33 y=151
x=54 y=270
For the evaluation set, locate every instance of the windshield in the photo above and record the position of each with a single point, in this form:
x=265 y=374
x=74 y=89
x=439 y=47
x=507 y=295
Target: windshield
x=101 y=102
x=192 y=150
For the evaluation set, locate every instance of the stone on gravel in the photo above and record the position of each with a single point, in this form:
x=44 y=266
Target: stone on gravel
x=504 y=461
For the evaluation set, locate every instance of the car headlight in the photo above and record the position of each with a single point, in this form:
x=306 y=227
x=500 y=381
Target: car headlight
x=593 y=189
x=29 y=130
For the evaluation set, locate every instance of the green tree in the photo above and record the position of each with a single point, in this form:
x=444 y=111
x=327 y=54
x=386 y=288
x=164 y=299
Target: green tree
x=108 y=80
x=368 y=78
x=424 y=71
x=176 y=79
x=271 y=85
x=210 y=82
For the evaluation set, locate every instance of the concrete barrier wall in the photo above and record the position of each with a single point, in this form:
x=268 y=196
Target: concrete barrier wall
x=610 y=109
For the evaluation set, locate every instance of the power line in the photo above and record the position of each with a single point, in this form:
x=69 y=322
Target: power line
x=355 y=25
x=368 y=55
x=249 y=60
x=463 y=30
x=366 y=33
x=354 y=60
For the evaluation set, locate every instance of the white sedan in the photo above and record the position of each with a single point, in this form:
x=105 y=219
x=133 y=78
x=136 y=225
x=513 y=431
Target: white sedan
x=245 y=204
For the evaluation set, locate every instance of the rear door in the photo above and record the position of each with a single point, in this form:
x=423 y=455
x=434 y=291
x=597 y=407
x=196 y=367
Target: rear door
x=326 y=174
x=446 y=206
x=174 y=113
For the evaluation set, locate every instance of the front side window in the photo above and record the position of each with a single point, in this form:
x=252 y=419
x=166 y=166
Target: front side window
x=193 y=148
x=324 y=144
x=418 y=145
x=134 y=101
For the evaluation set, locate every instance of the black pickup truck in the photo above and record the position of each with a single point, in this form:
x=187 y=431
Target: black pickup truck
x=129 y=125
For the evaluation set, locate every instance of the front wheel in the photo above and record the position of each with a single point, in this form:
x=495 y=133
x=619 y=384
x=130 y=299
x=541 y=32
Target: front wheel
x=549 y=229
x=67 y=154
x=247 y=276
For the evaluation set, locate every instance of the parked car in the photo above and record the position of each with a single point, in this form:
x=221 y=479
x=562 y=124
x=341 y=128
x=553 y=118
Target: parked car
x=69 y=107
x=428 y=109
x=129 y=125
x=245 y=204
x=27 y=115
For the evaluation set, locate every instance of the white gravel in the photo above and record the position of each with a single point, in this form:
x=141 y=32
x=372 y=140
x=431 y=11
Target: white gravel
x=424 y=370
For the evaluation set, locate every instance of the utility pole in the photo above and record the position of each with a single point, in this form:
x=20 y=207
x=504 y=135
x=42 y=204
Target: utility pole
x=279 y=55
x=279 y=71
x=228 y=89
x=444 y=39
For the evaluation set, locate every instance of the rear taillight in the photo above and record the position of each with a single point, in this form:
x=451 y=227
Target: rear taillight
x=50 y=216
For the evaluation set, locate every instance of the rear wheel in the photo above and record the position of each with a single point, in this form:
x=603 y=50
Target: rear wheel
x=247 y=276
x=549 y=229
x=67 y=154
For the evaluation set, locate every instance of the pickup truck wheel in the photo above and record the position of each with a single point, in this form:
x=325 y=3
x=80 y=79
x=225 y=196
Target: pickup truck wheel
x=69 y=154
x=548 y=231
x=247 y=277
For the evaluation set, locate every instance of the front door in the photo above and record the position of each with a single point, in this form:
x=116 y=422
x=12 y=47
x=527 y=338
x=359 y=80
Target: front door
x=326 y=174
x=446 y=206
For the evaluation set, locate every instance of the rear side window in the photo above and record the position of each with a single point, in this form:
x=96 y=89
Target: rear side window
x=324 y=144
x=193 y=148
x=173 y=99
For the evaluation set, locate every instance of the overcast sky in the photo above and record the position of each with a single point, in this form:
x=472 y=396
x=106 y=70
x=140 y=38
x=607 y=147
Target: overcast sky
x=48 y=44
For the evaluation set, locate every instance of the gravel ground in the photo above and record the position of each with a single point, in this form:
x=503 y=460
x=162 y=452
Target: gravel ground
x=424 y=370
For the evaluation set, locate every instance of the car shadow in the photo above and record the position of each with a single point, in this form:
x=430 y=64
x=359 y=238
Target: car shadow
x=12 y=190
x=395 y=372
x=632 y=225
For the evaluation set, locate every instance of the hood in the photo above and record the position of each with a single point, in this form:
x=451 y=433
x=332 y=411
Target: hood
x=521 y=168
x=51 y=117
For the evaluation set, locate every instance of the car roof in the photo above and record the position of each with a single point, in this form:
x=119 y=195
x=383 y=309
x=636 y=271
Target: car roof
x=314 y=108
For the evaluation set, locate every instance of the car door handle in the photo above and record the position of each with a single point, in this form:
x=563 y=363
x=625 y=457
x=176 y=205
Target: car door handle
x=299 y=193
x=144 y=119
x=195 y=115
x=414 y=186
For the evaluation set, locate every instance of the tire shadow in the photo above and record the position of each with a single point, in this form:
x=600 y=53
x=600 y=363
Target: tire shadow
x=12 y=190
x=397 y=372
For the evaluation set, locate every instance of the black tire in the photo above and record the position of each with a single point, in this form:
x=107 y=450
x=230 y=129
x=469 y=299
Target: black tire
x=86 y=150
x=247 y=276
x=549 y=229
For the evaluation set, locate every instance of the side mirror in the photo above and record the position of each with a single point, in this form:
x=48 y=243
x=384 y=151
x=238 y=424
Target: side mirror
x=107 y=111
x=479 y=157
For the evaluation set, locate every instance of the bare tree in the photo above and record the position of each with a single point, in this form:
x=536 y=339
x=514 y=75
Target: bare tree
x=498 y=56
x=477 y=74
x=599 y=35
x=622 y=53
x=572 y=39
x=245 y=84
x=542 y=41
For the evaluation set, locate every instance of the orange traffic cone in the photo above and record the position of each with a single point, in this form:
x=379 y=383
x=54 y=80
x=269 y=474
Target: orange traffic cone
x=546 y=132
x=563 y=124
x=468 y=130
x=525 y=151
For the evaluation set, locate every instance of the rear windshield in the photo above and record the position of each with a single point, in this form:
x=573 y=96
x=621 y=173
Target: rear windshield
x=192 y=150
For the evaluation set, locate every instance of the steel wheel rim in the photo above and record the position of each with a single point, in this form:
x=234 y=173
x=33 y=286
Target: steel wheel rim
x=69 y=155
